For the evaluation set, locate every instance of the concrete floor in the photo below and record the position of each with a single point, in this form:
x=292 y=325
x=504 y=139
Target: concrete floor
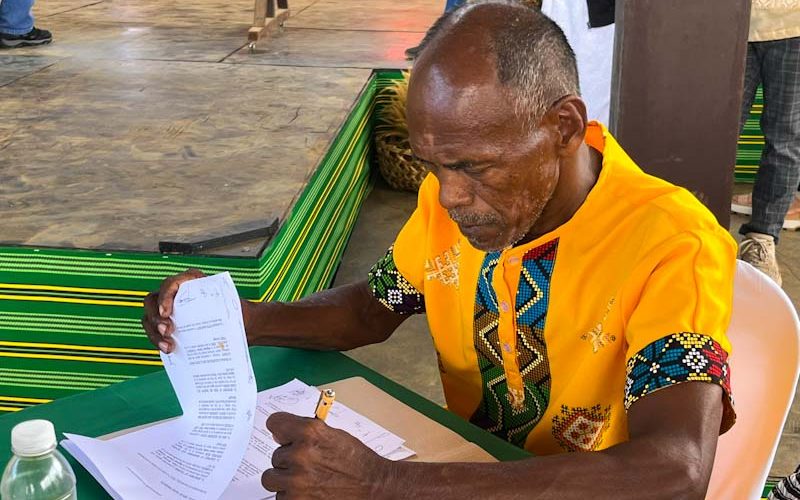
x=408 y=356
x=145 y=100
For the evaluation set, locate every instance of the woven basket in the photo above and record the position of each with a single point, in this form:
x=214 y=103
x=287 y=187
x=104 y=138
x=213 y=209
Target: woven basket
x=392 y=149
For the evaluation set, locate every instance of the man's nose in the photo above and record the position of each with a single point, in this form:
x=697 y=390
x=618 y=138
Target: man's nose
x=454 y=190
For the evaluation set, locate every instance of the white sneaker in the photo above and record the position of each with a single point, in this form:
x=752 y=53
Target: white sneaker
x=759 y=250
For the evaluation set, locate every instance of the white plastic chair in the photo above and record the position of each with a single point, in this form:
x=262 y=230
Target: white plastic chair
x=765 y=361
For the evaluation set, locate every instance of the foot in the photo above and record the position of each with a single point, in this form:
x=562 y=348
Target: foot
x=743 y=204
x=792 y=219
x=33 y=37
x=759 y=250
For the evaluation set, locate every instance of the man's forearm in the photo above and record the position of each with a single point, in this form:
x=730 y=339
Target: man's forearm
x=673 y=440
x=627 y=471
x=341 y=318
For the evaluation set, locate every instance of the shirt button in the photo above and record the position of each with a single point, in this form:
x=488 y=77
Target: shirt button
x=506 y=347
x=513 y=260
x=504 y=306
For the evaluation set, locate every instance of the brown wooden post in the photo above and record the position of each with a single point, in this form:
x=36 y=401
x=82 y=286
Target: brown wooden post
x=260 y=12
x=269 y=16
x=677 y=90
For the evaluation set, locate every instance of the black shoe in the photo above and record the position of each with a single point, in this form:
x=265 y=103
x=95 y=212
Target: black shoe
x=413 y=52
x=33 y=37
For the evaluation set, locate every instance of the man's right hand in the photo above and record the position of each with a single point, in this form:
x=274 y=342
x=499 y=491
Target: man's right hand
x=158 y=309
x=339 y=318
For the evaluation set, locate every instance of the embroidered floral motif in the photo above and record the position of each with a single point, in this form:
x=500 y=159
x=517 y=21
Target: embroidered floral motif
x=581 y=429
x=392 y=289
x=597 y=336
x=444 y=267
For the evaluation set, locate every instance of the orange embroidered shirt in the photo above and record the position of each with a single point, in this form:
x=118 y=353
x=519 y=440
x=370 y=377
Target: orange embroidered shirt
x=547 y=344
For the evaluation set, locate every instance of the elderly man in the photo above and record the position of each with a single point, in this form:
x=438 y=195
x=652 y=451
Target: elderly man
x=576 y=303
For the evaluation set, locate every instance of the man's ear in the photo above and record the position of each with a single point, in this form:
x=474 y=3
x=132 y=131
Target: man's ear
x=570 y=113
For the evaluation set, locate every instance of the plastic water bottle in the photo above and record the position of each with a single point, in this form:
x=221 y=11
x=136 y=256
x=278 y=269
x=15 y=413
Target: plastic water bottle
x=37 y=471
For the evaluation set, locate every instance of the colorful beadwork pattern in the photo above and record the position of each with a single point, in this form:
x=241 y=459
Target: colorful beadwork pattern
x=496 y=412
x=581 y=429
x=392 y=289
x=680 y=357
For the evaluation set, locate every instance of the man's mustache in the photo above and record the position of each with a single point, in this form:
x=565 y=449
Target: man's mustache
x=472 y=219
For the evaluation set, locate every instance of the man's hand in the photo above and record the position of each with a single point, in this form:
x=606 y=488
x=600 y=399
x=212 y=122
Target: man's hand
x=340 y=318
x=158 y=309
x=317 y=461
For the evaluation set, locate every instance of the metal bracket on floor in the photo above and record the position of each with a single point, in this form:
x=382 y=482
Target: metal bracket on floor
x=196 y=247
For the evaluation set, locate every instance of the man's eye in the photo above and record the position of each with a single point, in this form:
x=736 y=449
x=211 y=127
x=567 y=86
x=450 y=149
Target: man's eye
x=477 y=168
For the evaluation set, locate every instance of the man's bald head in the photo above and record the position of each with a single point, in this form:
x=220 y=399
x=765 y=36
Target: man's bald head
x=493 y=112
x=526 y=51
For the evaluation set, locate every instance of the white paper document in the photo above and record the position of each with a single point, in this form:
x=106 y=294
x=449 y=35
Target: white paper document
x=195 y=455
x=219 y=446
x=300 y=399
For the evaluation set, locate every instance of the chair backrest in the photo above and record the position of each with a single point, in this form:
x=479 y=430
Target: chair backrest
x=764 y=365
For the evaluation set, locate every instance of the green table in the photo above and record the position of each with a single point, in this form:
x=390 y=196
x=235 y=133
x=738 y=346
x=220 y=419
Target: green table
x=150 y=398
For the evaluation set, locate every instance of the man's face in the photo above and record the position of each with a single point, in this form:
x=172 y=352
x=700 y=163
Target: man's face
x=495 y=175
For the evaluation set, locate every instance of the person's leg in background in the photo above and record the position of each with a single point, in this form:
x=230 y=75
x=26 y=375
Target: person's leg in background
x=752 y=79
x=16 y=17
x=16 y=25
x=743 y=203
x=452 y=4
x=779 y=170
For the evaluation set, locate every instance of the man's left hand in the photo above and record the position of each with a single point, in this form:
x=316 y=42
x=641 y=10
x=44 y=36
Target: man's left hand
x=318 y=461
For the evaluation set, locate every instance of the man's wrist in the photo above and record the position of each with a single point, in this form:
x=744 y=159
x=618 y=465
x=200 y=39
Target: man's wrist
x=249 y=313
x=386 y=479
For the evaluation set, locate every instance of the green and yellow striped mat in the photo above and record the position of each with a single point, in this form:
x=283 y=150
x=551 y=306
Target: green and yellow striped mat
x=69 y=319
x=751 y=142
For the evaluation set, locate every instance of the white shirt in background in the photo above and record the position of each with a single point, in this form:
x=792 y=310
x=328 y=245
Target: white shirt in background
x=594 y=49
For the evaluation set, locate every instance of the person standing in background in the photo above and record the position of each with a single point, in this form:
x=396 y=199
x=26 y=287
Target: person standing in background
x=450 y=5
x=589 y=27
x=773 y=61
x=16 y=25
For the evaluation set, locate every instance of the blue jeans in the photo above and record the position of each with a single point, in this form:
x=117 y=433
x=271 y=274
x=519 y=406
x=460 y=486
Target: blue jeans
x=16 y=17
x=776 y=66
x=451 y=4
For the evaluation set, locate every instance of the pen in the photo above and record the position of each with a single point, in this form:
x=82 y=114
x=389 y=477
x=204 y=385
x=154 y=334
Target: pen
x=326 y=398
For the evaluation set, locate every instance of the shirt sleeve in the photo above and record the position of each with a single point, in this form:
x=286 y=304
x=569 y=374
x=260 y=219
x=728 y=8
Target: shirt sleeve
x=676 y=331
x=398 y=279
